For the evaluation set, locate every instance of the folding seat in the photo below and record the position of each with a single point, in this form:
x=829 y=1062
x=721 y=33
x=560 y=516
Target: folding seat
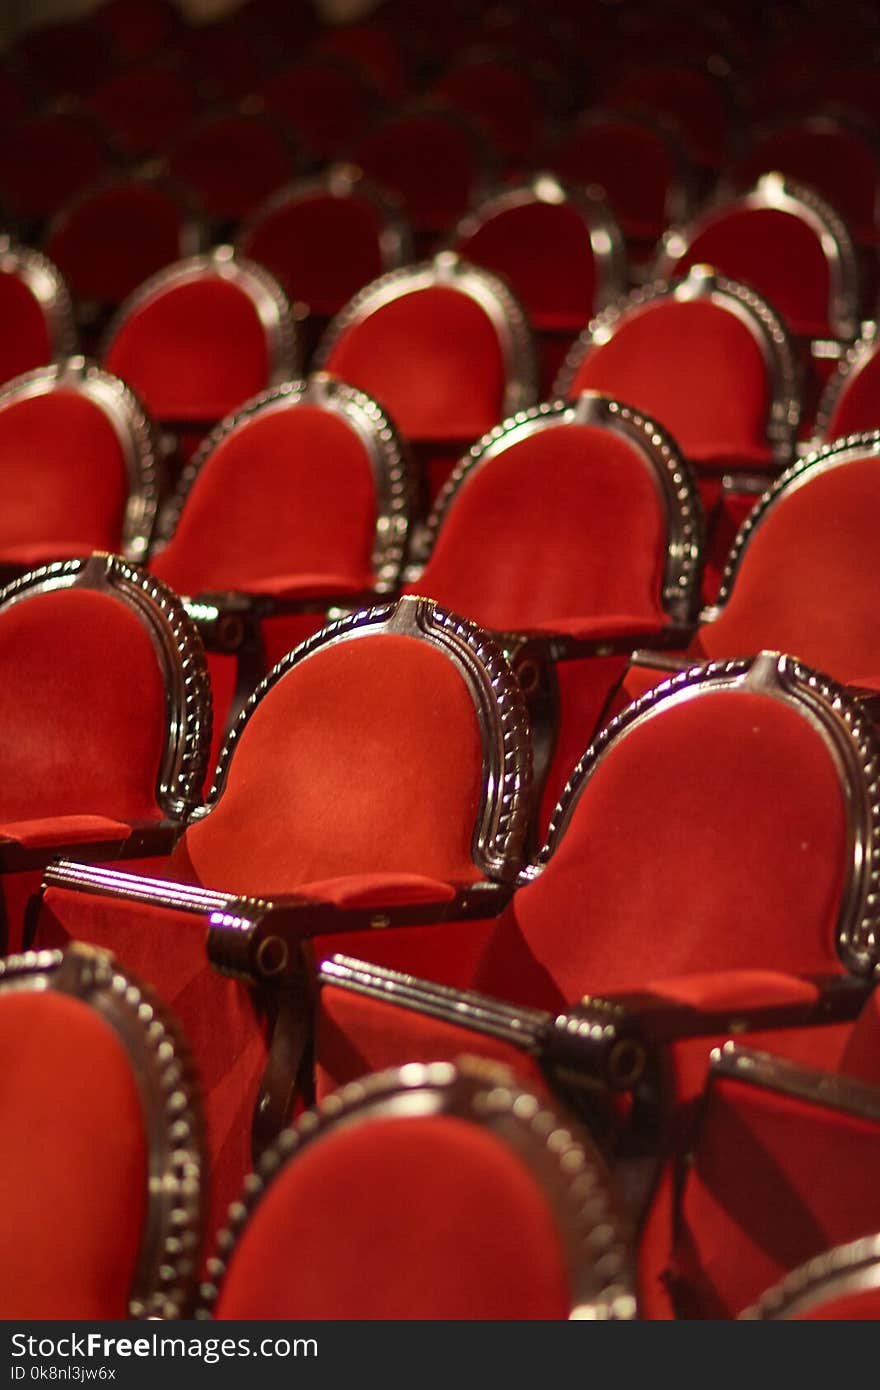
x=373 y=48
x=106 y=719
x=640 y=166
x=47 y=158
x=841 y=1284
x=435 y=160
x=137 y=29
x=327 y=102
x=710 y=870
x=502 y=96
x=325 y=237
x=708 y=358
x=112 y=237
x=78 y=467
x=559 y=248
x=699 y=103
x=297 y=503
x=331 y=789
x=145 y=108
x=830 y=153
x=232 y=161
x=35 y=310
x=849 y=402
x=572 y=529
x=201 y=337
x=429 y=1192
x=444 y=347
x=103 y=1156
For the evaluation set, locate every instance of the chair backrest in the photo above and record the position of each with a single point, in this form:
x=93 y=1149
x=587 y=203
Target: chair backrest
x=232 y=161
x=432 y=158
x=840 y=1285
x=111 y=238
x=726 y=820
x=849 y=403
x=104 y=703
x=325 y=99
x=103 y=1160
x=500 y=95
x=438 y=1191
x=35 y=310
x=571 y=510
x=375 y=50
x=393 y=741
x=136 y=28
x=327 y=236
x=795 y=579
x=785 y=241
x=443 y=346
x=704 y=355
x=78 y=466
x=309 y=480
x=48 y=157
x=559 y=248
x=688 y=93
x=202 y=336
x=145 y=108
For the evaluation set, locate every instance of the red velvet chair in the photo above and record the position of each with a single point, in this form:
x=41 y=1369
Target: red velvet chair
x=103 y=1156
x=111 y=238
x=841 y=1284
x=849 y=401
x=78 y=467
x=64 y=59
x=444 y=347
x=296 y=504
x=145 y=108
x=137 y=29
x=233 y=161
x=785 y=241
x=224 y=57
x=711 y=869
x=375 y=50
x=558 y=247
x=387 y=757
x=573 y=530
x=431 y=1192
x=327 y=101
x=106 y=719
x=500 y=95
x=47 y=158
x=688 y=93
x=640 y=166
x=435 y=160
x=35 y=309
x=780 y=1168
x=325 y=237
x=201 y=337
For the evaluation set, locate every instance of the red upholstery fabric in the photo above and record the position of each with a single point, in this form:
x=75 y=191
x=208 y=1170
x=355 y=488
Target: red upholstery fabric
x=45 y=159
x=373 y=50
x=62 y=474
x=345 y=768
x=74 y=1156
x=775 y=1181
x=220 y=1017
x=65 y=58
x=82 y=709
x=566 y=524
x=694 y=100
x=136 y=28
x=856 y=408
x=801 y=585
x=734 y=989
x=55 y=830
x=697 y=369
x=501 y=97
x=432 y=163
x=193 y=351
x=544 y=251
x=290 y=491
x=232 y=163
x=322 y=248
x=713 y=836
x=583 y=690
x=356 y=1036
x=328 y=102
x=108 y=242
x=863 y=1306
x=145 y=108
x=221 y=57
x=432 y=358
x=777 y=253
x=25 y=344
x=633 y=165
x=861 y=1055
x=463 y=1232
x=379 y=890
x=445 y=952
x=16 y=891
x=838 y=162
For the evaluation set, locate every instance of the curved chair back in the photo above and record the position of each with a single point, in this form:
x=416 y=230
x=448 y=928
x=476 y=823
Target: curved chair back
x=35 y=309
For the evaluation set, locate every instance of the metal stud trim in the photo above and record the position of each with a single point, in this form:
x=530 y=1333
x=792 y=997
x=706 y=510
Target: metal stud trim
x=47 y=285
x=842 y=1272
x=857 y=356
